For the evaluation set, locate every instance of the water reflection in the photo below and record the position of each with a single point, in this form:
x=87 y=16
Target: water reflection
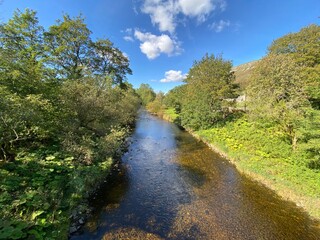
x=173 y=187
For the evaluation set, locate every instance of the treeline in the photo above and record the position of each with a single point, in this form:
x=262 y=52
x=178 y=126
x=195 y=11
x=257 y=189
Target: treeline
x=205 y=100
x=283 y=92
x=65 y=108
x=274 y=128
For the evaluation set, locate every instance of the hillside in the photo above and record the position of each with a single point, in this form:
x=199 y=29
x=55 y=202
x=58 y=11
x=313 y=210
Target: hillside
x=243 y=72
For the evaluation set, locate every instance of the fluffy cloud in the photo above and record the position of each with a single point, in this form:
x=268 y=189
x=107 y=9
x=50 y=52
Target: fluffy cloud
x=152 y=46
x=173 y=76
x=164 y=12
x=219 y=26
x=199 y=9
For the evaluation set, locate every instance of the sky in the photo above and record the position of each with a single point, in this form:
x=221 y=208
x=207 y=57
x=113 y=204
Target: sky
x=163 y=38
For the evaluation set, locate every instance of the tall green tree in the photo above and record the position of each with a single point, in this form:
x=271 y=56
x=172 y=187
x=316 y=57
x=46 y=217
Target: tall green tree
x=146 y=93
x=109 y=60
x=68 y=47
x=26 y=115
x=277 y=94
x=210 y=83
x=22 y=54
x=303 y=47
x=174 y=98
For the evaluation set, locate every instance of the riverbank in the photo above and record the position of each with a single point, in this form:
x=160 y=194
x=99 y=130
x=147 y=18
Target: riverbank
x=44 y=193
x=50 y=191
x=262 y=155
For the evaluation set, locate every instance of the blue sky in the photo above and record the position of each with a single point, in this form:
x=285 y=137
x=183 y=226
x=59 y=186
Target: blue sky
x=163 y=38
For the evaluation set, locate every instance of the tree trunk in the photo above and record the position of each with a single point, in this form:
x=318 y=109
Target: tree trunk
x=294 y=141
x=5 y=154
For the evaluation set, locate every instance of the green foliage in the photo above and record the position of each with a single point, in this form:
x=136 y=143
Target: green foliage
x=171 y=115
x=277 y=94
x=146 y=94
x=39 y=190
x=303 y=47
x=94 y=111
x=74 y=55
x=156 y=106
x=210 y=83
x=67 y=44
x=65 y=110
x=109 y=60
x=22 y=54
x=309 y=146
x=174 y=98
x=24 y=120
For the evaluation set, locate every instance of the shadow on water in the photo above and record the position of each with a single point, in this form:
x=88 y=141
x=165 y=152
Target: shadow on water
x=193 y=176
x=173 y=187
x=108 y=197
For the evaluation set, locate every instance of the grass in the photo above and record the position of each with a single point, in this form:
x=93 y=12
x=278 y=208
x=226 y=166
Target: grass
x=170 y=115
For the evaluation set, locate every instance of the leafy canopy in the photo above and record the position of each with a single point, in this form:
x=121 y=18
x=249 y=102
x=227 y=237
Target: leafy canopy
x=210 y=83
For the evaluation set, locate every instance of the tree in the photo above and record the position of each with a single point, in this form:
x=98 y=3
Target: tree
x=25 y=114
x=109 y=60
x=94 y=111
x=210 y=83
x=276 y=94
x=29 y=119
x=22 y=68
x=56 y=115
x=68 y=47
x=157 y=106
x=303 y=47
x=146 y=93
x=174 y=98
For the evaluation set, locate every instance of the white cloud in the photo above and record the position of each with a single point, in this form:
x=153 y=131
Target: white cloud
x=152 y=45
x=173 y=76
x=128 y=38
x=220 y=4
x=164 y=12
x=219 y=26
x=199 y=9
x=128 y=32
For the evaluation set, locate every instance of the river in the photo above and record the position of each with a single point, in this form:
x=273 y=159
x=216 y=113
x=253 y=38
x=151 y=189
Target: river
x=171 y=186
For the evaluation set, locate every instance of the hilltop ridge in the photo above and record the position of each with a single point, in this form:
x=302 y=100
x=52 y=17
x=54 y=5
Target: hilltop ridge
x=243 y=73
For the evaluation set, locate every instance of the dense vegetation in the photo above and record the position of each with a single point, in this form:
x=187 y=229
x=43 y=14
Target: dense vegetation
x=146 y=94
x=276 y=136
x=65 y=109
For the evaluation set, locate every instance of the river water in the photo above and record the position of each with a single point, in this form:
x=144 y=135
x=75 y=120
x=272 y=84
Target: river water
x=172 y=186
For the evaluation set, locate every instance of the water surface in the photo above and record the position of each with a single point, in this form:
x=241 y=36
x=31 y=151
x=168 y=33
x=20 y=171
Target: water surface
x=171 y=186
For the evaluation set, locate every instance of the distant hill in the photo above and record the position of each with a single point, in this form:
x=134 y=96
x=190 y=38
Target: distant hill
x=243 y=73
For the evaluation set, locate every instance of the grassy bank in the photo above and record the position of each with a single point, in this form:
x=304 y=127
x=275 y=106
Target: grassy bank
x=170 y=115
x=266 y=157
